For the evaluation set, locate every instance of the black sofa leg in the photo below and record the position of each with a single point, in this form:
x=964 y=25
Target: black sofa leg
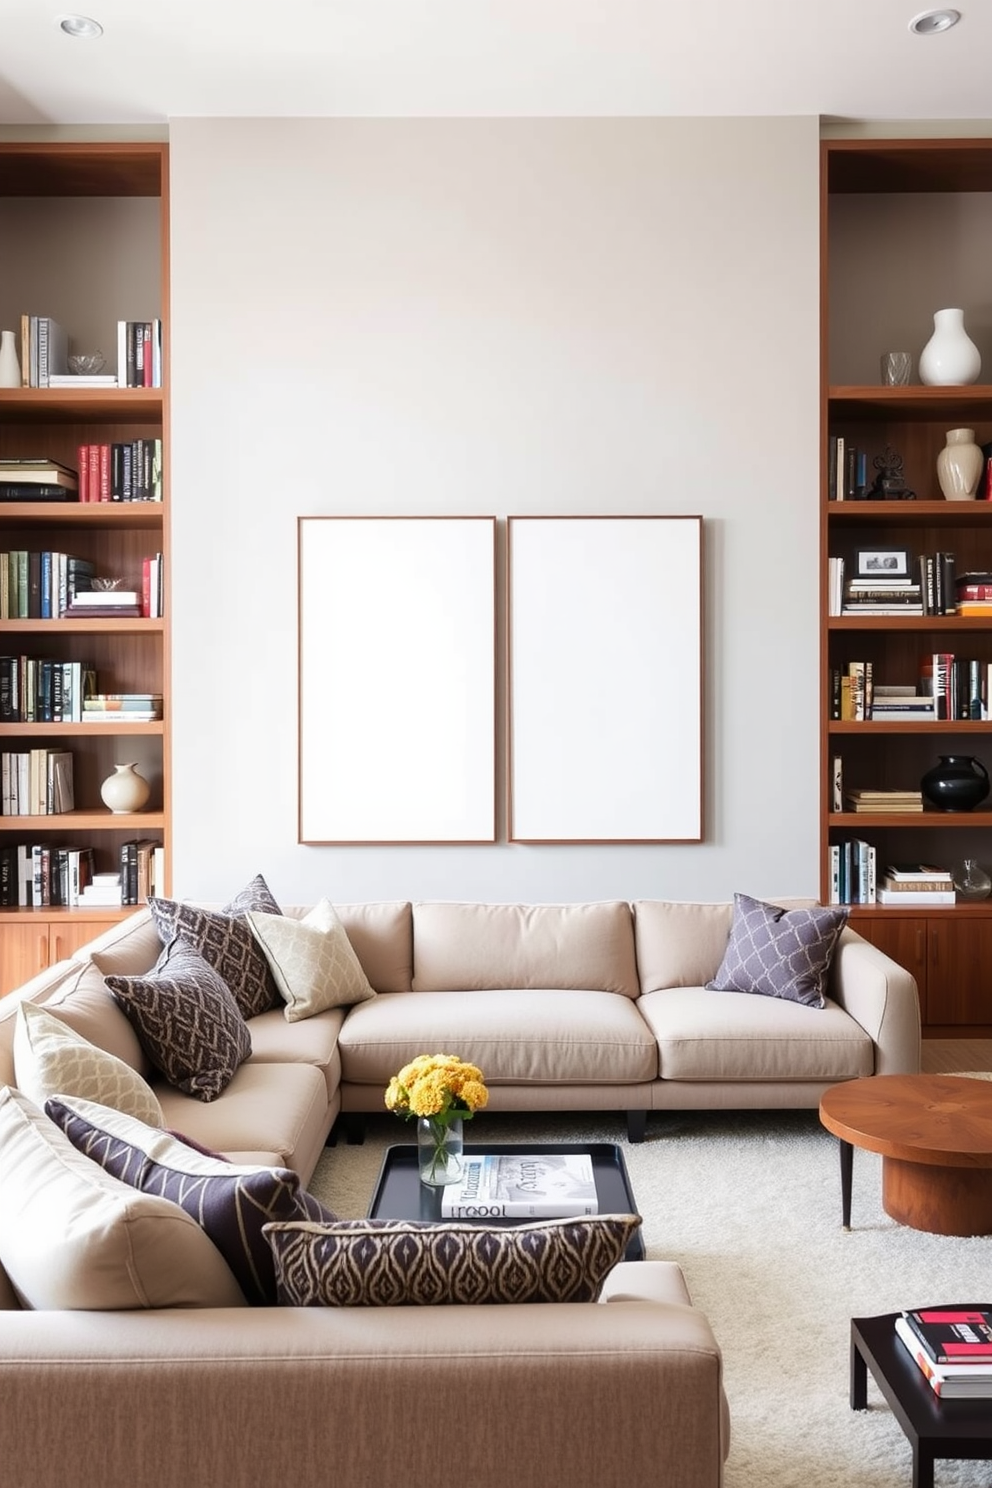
x=637 y=1126
x=354 y=1128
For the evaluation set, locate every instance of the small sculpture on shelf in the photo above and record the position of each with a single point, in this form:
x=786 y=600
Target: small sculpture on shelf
x=889 y=484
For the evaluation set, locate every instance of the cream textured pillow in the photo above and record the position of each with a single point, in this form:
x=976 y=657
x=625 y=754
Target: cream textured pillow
x=74 y=1237
x=312 y=960
x=50 y=1058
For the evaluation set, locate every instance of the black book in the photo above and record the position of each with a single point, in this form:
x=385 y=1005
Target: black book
x=12 y=491
x=954 y=1335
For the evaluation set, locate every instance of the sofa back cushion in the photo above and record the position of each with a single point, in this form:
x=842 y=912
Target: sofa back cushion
x=72 y=1236
x=381 y=935
x=75 y=992
x=51 y=1058
x=483 y=947
x=682 y=945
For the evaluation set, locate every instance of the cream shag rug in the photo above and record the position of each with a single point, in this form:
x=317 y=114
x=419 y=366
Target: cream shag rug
x=748 y=1203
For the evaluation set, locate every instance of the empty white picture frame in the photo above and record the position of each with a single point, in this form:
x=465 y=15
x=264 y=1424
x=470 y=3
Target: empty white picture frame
x=605 y=678
x=397 y=679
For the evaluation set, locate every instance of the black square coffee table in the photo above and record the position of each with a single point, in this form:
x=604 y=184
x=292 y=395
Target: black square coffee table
x=935 y=1428
x=399 y=1193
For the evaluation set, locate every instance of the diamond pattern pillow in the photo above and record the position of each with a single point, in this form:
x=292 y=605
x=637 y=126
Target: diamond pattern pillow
x=312 y=960
x=400 y=1263
x=187 y=1021
x=50 y=1058
x=223 y=938
x=780 y=952
x=229 y=1202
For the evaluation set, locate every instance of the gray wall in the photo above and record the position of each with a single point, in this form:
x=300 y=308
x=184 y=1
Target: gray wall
x=478 y=316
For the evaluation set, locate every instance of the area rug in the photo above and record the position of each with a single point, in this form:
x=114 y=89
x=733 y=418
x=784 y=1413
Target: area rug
x=748 y=1203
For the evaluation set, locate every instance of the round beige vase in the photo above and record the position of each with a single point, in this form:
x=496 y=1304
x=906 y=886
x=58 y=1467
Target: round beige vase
x=959 y=465
x=125 y=790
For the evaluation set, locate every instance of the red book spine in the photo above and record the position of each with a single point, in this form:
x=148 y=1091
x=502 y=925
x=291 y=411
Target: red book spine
x=147 y=338
x=83 y=470
x=146 y=587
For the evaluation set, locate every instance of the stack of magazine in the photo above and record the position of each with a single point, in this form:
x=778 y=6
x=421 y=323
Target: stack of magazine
x=522 y=1185
x=953 y=1348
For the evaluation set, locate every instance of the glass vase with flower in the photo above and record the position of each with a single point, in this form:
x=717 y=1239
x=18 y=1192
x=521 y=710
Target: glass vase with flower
x=441 y=1092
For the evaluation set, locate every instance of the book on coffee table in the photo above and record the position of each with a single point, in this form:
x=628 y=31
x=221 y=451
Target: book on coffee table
x=522 y=1185
x=948 y=1381
x=954 y=1335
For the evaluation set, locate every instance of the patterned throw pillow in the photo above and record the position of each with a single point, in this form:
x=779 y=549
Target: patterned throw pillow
x=229 y=1202
x=780 y=952
x=223 y=938
x=312 y=960
x=187 y=1021
x=401 y=1263
x=50 y=1058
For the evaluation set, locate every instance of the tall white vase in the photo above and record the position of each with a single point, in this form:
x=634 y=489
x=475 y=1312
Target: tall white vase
x=959 y=465
x=10 y=367
x=950 y=357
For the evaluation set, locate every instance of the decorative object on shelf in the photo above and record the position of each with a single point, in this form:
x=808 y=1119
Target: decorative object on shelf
x=86 y=363
x=971 y=881
x=890 y=483
x=106 y=586
x=897 y=367
x=441 y=1092
x=950 y=357
x=960 y=465
x=125 y=790
x=10 y=367
x=882 y=563
x=958 y=782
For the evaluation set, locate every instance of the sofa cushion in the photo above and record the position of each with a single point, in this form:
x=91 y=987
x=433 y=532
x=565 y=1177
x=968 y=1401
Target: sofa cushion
x=73 y=1236
x=538 y=1037
x=312 y=960
x=222 y=938
x=401 y=1263
x=381 y=933
x=778 y=952
x=188 y=1022
x=230 y=1203
x=484 y=947
x=51 y=1058
x=682 y=944
x=720 y=1036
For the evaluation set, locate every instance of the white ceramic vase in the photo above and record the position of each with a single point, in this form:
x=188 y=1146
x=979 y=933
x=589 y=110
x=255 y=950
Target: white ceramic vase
x=125 y=790
x=950 y=357
x=959 y=465
x=10 y=367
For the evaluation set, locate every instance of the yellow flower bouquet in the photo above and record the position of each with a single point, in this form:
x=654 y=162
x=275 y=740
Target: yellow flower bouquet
x=441 y=1091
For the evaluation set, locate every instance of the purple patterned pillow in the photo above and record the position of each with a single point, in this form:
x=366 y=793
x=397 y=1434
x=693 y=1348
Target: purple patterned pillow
x=223 y=938
x=230 y=1203
x=186 y=1020
x=780 y=952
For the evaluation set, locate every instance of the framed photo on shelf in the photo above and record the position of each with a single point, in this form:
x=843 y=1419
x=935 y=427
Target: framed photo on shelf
x=881 y=563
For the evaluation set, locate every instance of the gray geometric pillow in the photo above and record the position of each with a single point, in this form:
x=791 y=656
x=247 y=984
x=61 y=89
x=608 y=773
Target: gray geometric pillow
x=780 y=952
x=230 y=1203
x=402 y=1263
x=223 y=938
x=186 y=1020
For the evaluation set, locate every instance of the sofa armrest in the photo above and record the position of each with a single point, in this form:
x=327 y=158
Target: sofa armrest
x=883 y=997
x=628 y=1395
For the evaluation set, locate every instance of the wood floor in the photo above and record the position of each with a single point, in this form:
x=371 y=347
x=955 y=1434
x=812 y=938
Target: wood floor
x=940 y=1055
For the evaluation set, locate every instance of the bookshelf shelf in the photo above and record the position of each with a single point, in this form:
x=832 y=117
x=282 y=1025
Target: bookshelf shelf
x=125 y=185
x=881 y=201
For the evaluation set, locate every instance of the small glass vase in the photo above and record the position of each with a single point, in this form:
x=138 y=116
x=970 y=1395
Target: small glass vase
x=439 y=1149
x=971 y=881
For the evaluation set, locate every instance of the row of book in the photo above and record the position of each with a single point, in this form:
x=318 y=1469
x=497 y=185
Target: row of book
x=952 y=1347
x=37 y=690
x=926 y=585
x=125 y=470
x=41 y=585
x=139 y=353
x=45 y=355
x=854 y=879
x=950 y=688
x=36 y=782
x=40 y=875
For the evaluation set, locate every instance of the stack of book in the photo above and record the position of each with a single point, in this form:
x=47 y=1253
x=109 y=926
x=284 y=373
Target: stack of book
x=974 y=593
x=901 y=703
x=852 y=868
x=122 y=707
x=909 y=884
x=953 y=1348
x=90 y=604
x=522 y=1185
x=896 y=802
x=139 y=353
x=37 y=478
x=882 y=596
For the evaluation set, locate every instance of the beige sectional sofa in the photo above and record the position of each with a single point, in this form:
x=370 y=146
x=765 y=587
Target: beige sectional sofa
x=564 y=1007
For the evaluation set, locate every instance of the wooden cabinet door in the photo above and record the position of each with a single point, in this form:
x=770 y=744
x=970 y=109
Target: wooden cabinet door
x=905 y=940
x=67 y=936
x=24 y=952
x=959 y=972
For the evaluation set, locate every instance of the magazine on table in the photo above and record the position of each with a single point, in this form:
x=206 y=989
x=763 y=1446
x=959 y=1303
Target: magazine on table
x=953 y=1335
x=949 y=1381
x=522 y=1185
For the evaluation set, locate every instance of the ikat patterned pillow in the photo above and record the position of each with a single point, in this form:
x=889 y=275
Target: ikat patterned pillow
x=780 y=952
x=223 y=938
x=187 y=1021
x=402 y=1263
x=230 y=1203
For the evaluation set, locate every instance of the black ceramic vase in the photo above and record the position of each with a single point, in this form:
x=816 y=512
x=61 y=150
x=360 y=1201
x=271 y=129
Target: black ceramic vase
x=956 y=783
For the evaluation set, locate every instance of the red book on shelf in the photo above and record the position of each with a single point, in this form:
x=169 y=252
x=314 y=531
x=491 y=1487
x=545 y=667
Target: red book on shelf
x=147 y=338
x=146 y=587
x=93 y=472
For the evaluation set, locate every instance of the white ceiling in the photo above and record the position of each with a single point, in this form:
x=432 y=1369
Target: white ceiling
x=841 y=59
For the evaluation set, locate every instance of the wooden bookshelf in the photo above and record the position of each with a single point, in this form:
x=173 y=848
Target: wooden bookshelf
x=129 y=654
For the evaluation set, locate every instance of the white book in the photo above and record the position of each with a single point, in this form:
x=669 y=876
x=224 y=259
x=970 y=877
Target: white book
x=97 y=894
x=106 y=597
x=930 y=898
x=523 y=1184
x=82 y=379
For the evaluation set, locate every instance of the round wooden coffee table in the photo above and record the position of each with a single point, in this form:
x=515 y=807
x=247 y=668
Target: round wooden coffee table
x=934 y=1134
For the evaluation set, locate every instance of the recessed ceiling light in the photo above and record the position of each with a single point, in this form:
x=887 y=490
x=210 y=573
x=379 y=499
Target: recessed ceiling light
x=81 y=27
x=929 y=22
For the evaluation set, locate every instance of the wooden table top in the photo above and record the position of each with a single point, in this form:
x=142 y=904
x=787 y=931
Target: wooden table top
x=945 y=1120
